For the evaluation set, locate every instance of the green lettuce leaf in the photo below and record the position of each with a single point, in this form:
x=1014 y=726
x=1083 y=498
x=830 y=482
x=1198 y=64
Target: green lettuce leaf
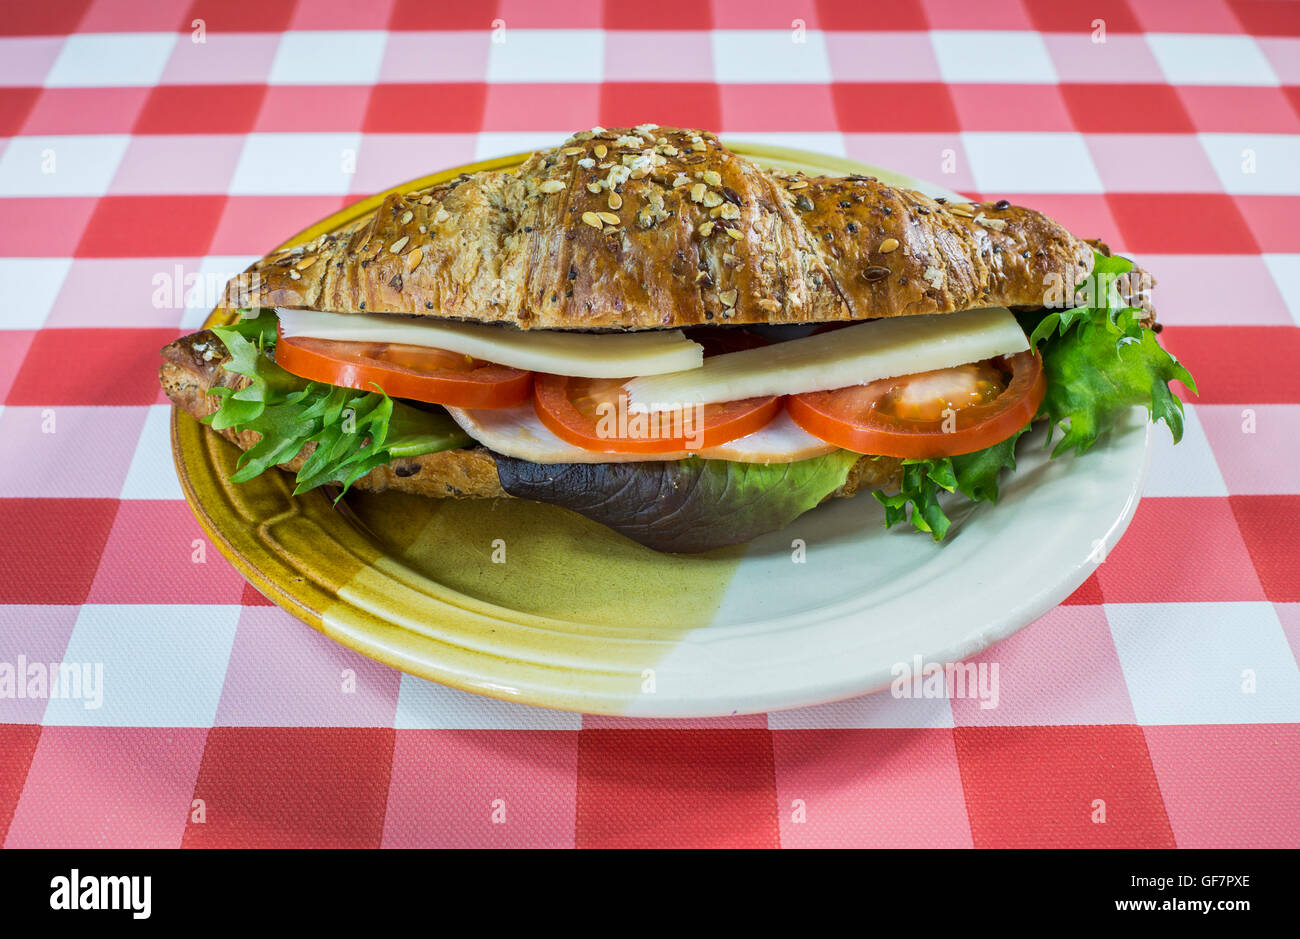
x=354 y=431
x=682 y=506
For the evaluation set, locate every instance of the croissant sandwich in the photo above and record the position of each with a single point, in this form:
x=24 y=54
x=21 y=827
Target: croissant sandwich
x=690 y=348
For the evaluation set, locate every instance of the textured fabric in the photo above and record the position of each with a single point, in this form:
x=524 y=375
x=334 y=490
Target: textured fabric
x=1158 y=706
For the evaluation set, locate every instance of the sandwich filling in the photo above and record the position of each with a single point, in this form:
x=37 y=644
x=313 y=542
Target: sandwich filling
x=690 y=439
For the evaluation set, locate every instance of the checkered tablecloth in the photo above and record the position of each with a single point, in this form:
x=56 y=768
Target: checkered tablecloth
x=145 y=143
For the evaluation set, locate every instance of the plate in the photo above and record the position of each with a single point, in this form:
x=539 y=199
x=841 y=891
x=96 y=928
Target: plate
x=535 y=604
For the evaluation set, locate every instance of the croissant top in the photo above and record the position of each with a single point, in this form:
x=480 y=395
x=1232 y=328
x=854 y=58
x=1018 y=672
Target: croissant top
x=662 y=227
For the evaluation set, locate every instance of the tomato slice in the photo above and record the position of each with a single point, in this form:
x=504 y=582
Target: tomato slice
x=593 y=413
x=930 y=414
x=435 y=376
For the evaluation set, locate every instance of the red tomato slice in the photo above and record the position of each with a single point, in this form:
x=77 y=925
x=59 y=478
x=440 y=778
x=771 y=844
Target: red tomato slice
x=930 y=414
x=592 y=413
x=435 y=376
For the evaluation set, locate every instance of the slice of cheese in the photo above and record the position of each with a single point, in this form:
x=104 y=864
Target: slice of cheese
x=517 y=432
x=853 y=355
x=588 y=355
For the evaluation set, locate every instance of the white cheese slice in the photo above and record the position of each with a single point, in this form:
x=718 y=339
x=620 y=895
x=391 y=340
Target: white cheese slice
x=588 y=355
x=518 y=432
x=853 y=355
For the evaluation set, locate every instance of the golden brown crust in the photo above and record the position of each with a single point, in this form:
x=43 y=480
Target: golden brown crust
x=192 y=365
x=660 y=227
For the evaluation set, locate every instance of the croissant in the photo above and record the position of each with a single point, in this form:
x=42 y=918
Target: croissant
x=662 y=227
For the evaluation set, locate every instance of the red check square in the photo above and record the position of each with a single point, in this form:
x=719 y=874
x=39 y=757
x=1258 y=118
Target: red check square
x=661 y=788
x=15 y=105
x=1272 y=220
x=341 y=14
x=879 y=788
x=1052 y=16
x=17 y=745
x=164 y=538
x=1011 y=108
x=85 y=110
x=243 y=16
x=896 y=16
x=1220 y=783
x=1239 y=364
x=1268 y=17
x=14 y=344
x=1230 y=109
x=1061 y=787
x=151 y=226
x=1127 y=109
x=293 y=787
x=683 y=104
x=313 y=108
x=510 y=107
x=482 y=789
x=666 y=14
x=201 y=109
x=91 y=366
x=256 y=224
x=895 y=107
x=428 y=108
x=1182 y=223
x=1268 y=525
x=1180 y=550
x=1088 y=594
x=423 y=15
x=763 y=14
x=133 y=16
x=48 y=18
x=51 y=547
x=43 y=228
x=776 y=107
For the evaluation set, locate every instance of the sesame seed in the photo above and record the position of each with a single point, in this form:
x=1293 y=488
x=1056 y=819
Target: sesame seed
x=573 y=151
x=413 y=259
x=592 y=219
x=735 y=233
x=888 y=245
x=426 y=200
x=399 y=244
x=801 y=184
x=600 y=151
x=304 y=264
x=593 y=187
x=552 y=185
x=406 y=218
x=609 y=218
x=615 y=201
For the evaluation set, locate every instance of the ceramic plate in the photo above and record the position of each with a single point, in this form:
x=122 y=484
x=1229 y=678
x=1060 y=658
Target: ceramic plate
x=535 y=604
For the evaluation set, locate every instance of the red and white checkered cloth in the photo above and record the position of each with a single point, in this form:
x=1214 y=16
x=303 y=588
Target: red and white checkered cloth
x=147 y=141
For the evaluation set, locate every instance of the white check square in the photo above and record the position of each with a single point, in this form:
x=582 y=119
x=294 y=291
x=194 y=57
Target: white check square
x=547 y=55
x=424 y=705
x=1255 y=164
x=1030 y=162
x=162 y=665
x=879 y=710
x=296 y=164
x=770 y=57
x=1195 y=59
x=328 y=57
x=993 y=56
x=209 y=287
x=1285 y=269
x=1187 y=470
x=28 y=287
x=491 y=144
x=1206 y=663
x=152 y=474
x=64 y=165
x=102 y=60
